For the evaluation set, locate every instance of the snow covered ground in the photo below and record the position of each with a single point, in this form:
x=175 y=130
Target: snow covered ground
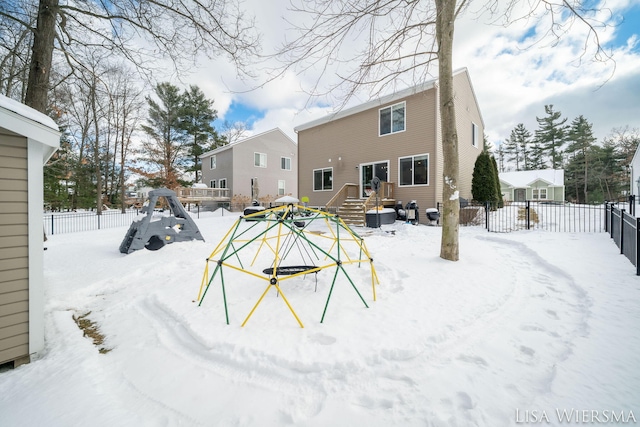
x=527 y=327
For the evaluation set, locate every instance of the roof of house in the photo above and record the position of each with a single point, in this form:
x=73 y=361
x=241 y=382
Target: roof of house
x=377 y=102
x=520 y=179
x=23 y=120
x=236 y=143
x=28 y=112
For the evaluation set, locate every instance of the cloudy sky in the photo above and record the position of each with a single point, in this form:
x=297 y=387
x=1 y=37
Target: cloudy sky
x=513 y=76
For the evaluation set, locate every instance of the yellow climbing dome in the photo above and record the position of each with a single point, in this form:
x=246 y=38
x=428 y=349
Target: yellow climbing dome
x=284 y=243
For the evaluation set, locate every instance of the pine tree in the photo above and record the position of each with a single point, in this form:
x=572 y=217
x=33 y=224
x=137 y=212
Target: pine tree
x=167 y=143
x=580 y=140
x=197 y=115
x=517 y=146
x=551 y=135
x=512 y=150
x=496 y=179
x=501 y=157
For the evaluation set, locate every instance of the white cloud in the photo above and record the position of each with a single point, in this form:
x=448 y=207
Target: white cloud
x=513 y=80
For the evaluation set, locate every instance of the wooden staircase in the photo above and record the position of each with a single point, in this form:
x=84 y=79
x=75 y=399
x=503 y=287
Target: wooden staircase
x=352 y=211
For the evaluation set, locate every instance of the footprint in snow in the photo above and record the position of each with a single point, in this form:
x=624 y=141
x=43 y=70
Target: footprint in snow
x=322 y=339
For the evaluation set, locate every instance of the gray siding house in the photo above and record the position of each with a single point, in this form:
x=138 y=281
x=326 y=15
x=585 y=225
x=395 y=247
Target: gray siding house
x=262 y=167
x=27 y=140
x=396 y=138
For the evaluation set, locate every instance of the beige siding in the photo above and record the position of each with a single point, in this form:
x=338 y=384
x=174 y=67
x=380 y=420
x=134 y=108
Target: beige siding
x=346 y=143
x=466 y=113
x=14 y=260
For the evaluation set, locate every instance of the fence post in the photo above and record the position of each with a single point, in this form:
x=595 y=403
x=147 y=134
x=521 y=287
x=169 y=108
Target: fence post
x=637 y=246
x=606 y=216
x=52 y=224
x=486 y=215
x=611 y=221
x=622 y=231
x=527 y=214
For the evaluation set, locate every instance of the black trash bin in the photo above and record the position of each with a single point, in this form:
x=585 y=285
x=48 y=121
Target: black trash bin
x=433 y=215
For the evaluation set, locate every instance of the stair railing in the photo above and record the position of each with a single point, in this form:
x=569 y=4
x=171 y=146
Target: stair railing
x=347 y=190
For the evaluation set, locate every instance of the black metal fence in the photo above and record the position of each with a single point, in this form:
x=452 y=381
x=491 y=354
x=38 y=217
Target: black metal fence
x=70 y=222
x=543 y=215
x=623 y=228
x=534 y=215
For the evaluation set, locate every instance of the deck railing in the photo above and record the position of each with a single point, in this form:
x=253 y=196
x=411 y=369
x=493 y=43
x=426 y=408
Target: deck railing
x=200 y=194
x=347 y=191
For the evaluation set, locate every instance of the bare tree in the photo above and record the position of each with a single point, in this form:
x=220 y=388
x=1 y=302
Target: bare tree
x=233 y=132
x=400 y=42
x=15 y=44
x=143 y=33
x=126 y=102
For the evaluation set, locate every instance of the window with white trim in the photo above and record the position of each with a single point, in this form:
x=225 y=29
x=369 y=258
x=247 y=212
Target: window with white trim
x=392 y=119
x=475 y=134
x=414 y=170
x=260 y=160
x=285 y=163
x=222 y=183
x=213 y=183
x=323 y=179
x=281 y=187
x=212 y=162
x=539 y=194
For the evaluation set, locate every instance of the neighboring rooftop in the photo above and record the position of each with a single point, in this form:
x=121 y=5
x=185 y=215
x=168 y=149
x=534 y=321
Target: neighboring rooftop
x=525 y=178
x=28 y=112
x=249 y=138
x=376 y=102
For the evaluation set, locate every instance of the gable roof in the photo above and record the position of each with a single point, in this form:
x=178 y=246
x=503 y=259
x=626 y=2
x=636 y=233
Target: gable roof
x=520 y=179
x=378 y=102
x=250 y=138
x=23 y=120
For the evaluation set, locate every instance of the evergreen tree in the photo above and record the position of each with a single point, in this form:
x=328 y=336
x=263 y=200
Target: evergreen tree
x=198 y=114
x=518 y=147
x=580 y=140
x=56 y=176
x=166 y=146
x=483 y=185
x=496 y=178
x=501 y=157
x=535 y=156
x=512 y=150
x=551 y=135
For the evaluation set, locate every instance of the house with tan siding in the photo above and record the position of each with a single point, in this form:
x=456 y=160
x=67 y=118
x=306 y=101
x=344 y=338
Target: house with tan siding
x=27 y=140
x=396 y=138
x=263 y=167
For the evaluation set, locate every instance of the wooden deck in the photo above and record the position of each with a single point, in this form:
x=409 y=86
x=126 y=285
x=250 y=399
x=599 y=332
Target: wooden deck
x=197 y=195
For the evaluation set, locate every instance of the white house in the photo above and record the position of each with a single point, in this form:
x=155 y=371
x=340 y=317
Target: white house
x=634 y=174
x=543 y=184
x=27 y=140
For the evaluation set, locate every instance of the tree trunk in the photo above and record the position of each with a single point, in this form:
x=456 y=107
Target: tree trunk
x=449 y=248
x=96 y=146
x=41 y=56
x=586 y=168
